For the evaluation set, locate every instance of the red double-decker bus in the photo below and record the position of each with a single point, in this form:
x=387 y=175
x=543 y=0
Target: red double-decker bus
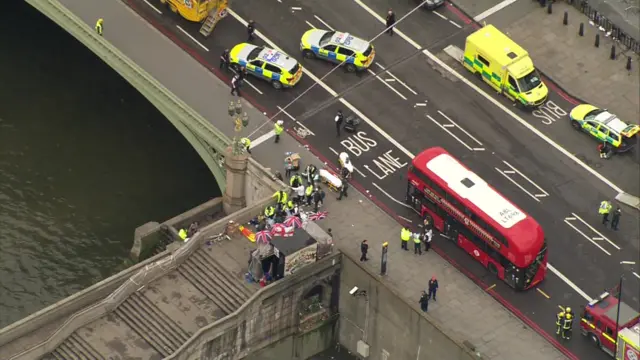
x=480 y=220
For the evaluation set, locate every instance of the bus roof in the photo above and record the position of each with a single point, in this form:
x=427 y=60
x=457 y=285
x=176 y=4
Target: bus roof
x=498 y=45
x=524 y=232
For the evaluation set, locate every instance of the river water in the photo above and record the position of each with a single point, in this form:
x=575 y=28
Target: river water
x=84 y=160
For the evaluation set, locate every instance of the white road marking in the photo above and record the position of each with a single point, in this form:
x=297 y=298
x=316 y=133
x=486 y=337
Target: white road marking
x=323 y=22
x=192 y=38
x=420 y=104
x=296 y=8
x=568 y=222
x=385 y=135
x=262 y=138
x=455 y=24
x=493 y=10
x=636 y=274
x=441 y=16
x=518 y=185
x=491 y=99
x=297 y=122
x=250 y=84
x=333 y=93
x=310 y=25
x=459 y=127
x=153 y=7
x=601 y=237
x=516 y=171
x=569 y=282
x=391 y=197
x=405 y=219
x=387 y=85
x=450 y=133
x=627 y=262
x=398 y=80
x=354 y=167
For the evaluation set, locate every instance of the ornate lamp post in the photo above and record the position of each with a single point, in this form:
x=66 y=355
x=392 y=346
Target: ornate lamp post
x=240 y=122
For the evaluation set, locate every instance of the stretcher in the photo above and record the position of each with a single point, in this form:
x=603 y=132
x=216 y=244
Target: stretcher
x=330 y=179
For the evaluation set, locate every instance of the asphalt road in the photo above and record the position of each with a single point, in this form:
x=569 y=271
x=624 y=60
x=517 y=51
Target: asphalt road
x=454 y=117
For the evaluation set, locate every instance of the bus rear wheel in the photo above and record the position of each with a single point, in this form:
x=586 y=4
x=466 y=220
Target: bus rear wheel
x=492 y=268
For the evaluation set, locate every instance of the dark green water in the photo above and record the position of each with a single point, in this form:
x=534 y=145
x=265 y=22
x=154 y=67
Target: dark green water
x=84 y=160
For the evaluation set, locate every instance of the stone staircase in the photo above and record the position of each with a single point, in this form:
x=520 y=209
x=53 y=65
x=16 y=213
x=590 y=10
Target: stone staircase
x=157 y=329
x=213 y=280
x=75 y=348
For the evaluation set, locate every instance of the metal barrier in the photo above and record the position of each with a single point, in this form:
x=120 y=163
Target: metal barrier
x=623 y=39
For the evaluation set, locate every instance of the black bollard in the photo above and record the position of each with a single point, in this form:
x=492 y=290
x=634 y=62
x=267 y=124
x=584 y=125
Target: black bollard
x=613 y=52
x=549 y=9
x=597 y=40
x=581 y=30
x=629 y=63
x=565 y=19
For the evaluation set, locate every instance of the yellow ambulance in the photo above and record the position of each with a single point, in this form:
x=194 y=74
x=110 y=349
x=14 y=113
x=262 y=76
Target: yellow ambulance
x=195 y=10
x=504 y=65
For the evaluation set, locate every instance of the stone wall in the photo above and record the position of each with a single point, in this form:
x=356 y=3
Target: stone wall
x=260 y=182
x=271 y=315
x=393 y=328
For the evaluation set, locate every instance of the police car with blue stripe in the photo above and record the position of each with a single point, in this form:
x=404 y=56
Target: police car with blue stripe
x=278 y=68
x=338 y=47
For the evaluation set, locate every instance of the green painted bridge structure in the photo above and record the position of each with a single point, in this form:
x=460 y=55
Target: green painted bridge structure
x=210 y=143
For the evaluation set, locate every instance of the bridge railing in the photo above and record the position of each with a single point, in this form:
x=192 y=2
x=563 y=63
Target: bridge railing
x=136 y=282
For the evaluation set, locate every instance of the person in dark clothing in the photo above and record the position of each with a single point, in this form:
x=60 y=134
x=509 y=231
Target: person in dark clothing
x=433 y=288
x=364 y=247
x=318 y=197
x=235 y=85
x=391 y=20
x=251 y=28
x=424 y=301
x=343 y=189
x=615 y=219
x=224 y=60
x=338 y=120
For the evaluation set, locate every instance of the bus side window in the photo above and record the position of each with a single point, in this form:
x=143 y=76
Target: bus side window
x=437 y=189
x=453 y=201
x=473 y=238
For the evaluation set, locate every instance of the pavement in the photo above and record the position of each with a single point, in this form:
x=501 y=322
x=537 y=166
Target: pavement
x=422 y=106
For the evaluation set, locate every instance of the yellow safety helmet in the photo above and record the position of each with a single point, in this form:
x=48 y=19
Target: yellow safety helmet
x=568 y=309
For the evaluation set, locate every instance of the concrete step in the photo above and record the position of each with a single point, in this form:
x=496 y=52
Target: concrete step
x=66 y=353
x=82 y=347
x=212 y=283
x=234 y=286
x=146 y=327
x=54 y=355
x=246 y=288
x=163 y=322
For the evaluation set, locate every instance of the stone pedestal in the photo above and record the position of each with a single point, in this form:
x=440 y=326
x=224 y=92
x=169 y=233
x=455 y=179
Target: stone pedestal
x=234 y=197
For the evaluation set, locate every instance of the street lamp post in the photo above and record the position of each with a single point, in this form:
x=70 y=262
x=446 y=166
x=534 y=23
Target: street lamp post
x=240 y=122
x=615 y=348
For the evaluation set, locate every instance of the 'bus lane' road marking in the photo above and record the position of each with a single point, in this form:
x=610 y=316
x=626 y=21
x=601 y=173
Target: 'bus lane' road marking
x=385 y=164
x=493 y=100
x=593 y=239
x=549 y=112
x=512 y=171
x=354 y=167
x=386 y=84
x=399 y=146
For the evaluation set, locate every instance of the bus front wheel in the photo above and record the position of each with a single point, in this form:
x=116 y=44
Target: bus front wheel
x=492 y=268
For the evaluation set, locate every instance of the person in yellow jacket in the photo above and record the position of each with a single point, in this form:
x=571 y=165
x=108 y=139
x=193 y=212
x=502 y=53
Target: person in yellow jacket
x=604 y=210
x=405 y=235
x=183 y=234
x=567 y=326
x=417 y=248
x=246 y=142
x=99 y=26
x=278 y=128
x=308 y=193
x=269 y=212
x=281 y=197
x=559 y=322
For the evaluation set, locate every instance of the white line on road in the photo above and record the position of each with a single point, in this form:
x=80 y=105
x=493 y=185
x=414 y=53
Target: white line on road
x=323 y=22
x=441 y=16
x=310 y=24
x=544 y=193
x=354 y=167
x=387 y=85
x=493 y=10
x=586 y=236
x=602 y=237
x=448 y=125
x=297 y=122
x=295 y=8
x=459 y=127
x=404 y=218
x=420 y=104
x=518 y=185
x=450 y=133
x=636 y=274
x=391 y=197
x=250 y=84
x=153 y=7
x=398 y=80
x=305 y=128
x=286 y=113
x=455 y=24
x=192 y=38
x=493 y=100
x=569 y=282
x=262 y=138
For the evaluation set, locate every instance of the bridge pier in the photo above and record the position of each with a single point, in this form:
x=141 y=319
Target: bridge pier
x=234 y=197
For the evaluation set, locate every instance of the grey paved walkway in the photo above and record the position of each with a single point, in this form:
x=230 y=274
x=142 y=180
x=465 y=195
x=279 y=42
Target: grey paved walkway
x=462 y=308
x=574 y=62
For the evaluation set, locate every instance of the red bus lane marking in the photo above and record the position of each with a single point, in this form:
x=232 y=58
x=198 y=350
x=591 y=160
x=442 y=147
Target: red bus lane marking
x=551 y=339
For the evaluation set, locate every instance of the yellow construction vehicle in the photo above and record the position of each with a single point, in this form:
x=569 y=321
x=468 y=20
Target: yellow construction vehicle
x=209 y=12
